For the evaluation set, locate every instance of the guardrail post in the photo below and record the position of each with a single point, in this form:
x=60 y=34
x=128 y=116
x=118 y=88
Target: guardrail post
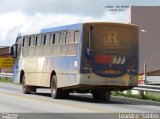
x=129 y=92
x=145 y=73
x=142 y=94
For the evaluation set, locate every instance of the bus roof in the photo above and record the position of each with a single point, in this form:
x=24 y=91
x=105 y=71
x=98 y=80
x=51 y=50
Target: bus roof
x=76 y=26
x=71 y=27
x=61 y=28
x=116 y=23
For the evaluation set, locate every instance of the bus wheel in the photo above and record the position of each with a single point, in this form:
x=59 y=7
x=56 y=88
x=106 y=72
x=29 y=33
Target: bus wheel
x=25 y=88
x=56 y=93
x=101 y=95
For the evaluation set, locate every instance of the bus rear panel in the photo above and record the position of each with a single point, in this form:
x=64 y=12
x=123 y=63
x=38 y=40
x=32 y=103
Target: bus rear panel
x=109 y=56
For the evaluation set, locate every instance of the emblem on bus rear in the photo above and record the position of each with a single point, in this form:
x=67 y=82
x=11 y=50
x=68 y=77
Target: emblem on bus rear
x=111 y=38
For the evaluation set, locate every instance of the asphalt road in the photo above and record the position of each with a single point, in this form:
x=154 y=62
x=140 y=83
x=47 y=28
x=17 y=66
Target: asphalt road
x=12 y=100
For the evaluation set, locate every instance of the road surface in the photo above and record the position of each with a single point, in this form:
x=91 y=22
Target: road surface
x=12 y=100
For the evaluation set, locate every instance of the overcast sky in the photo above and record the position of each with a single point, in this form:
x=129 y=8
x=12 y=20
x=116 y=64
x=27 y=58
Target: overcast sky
x=21 y=16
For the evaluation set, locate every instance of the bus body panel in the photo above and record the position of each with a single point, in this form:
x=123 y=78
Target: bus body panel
x=38 y=68
x=93 y=79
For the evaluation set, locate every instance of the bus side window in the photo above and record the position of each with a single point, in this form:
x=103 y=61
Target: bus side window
x=43 y=40
x=38 y=40
x=48 y=38
x=61 y=38
x=76 y=38
x=23 y=41
x=52 y=39
x=67 y=37
x=64 y=38
x=29 y=41
x=57 y=38
x=19 y=40
x=35 y=40
x=64 y=45
x=71 y=38
x=26 y=42
x=32 y=42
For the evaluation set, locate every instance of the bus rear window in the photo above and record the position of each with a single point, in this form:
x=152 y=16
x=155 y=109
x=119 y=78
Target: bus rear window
x=111 y=37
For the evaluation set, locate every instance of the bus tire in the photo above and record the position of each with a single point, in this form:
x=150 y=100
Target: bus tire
x=57 y=93
x=101 y=95
x=25 y=88
x=33 y=89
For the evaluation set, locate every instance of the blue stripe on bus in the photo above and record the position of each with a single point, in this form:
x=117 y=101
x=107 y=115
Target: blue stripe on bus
x=63 y=64
x=60 y=28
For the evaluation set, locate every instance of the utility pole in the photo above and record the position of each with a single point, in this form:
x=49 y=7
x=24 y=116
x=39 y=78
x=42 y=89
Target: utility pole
x=145 y=73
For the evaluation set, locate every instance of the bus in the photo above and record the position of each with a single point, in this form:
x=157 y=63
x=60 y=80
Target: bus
x=96 y=58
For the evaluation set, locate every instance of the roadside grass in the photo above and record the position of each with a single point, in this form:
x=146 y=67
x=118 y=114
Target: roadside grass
x=6 y=80
x=143 y=97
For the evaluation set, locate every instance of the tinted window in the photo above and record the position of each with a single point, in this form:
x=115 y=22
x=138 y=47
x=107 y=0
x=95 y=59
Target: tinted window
x=57 y=38
x=53 y=38
x=29 y=41
x=67 y=37
x=19 y=40
x=25 y=41
x=35 y=40
x=76 y=36
x=64 y=38
x=71 y=38
x=112 y=37
x=61 y=38
x=32 y=42
x=38 y=40
x=48 y=39
x=43 y=41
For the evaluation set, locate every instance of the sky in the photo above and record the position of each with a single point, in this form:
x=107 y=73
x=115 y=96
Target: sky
x=29 y=16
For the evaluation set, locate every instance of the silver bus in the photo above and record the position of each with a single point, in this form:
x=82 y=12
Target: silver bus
x=95 y=58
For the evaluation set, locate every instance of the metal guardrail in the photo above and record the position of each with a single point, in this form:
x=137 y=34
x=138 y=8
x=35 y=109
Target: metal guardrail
x=6 y=75
x=141 y=87
x=150 y=88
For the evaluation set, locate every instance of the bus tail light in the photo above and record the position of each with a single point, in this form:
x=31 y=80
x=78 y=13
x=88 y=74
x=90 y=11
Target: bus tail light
x=104 y=59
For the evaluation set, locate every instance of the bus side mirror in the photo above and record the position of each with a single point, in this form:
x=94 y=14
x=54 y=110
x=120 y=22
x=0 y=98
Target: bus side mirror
x=13 y=50
x=90 y=53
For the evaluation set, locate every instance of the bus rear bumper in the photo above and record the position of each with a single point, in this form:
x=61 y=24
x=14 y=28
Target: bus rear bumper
x=93 y=79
